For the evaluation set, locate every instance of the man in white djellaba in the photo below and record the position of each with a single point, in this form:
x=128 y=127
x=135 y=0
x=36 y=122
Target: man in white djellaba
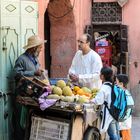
x=86 y=65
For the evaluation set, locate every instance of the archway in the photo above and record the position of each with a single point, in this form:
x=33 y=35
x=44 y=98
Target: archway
x=62 y=37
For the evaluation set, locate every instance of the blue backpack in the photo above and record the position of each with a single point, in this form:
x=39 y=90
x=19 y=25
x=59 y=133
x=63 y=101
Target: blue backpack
x=122 y=103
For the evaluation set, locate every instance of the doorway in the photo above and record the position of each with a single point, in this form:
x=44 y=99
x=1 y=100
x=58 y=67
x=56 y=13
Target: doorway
x=110 y=42
x=47 y=45
x=60 y=31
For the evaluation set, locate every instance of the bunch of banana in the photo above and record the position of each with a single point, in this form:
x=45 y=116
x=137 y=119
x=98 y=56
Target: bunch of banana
x=94 y=92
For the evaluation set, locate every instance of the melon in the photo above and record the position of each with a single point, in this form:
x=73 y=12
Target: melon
x=53 y=96
x=61 y=84
x=67 y=91
x=57 y=90
x=83 y=99
x=85 y=89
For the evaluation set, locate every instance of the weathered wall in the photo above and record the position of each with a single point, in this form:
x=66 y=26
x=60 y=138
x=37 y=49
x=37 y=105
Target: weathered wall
x=104 y=0
x=42 y=4
x=82 y=13
x=131 y=18
x=63 y=34
x=64 y=31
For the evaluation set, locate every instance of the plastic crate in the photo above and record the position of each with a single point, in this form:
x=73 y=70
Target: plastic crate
x=54 y=80
x=47 y=129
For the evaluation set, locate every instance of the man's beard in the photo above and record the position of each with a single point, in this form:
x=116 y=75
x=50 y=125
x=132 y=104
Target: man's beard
x=79 y=48
x=36 y=54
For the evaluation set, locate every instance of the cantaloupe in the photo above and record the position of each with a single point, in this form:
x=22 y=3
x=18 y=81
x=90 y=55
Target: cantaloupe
x=68 y=99
x=57 y=90
x=61 y=84
x=67 y=91
x=53 y=96
x=83 y=99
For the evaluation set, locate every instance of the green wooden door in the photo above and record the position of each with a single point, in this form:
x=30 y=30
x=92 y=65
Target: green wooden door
x=29 y=20
x=18 y=21
x=6 y=127
x=10 y=41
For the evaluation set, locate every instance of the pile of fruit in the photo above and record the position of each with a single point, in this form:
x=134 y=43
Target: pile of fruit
x=71 y=94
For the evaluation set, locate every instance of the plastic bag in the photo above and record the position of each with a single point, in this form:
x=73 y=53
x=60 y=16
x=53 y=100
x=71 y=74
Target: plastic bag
x=44 y=77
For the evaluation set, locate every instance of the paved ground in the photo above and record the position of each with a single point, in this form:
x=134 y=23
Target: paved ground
x=136 y=128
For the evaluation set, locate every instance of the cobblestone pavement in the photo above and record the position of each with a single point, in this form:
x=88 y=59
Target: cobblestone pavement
x=136 y=128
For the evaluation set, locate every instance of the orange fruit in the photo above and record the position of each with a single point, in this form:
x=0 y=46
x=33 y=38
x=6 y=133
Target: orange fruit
x=76 y=88
x=80 y=92
x=74 y=92
x=87 y=94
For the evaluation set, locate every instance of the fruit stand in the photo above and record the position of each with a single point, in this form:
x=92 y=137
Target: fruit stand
x=65 y=120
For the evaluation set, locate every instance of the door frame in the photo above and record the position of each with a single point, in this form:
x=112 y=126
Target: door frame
x=119 y=28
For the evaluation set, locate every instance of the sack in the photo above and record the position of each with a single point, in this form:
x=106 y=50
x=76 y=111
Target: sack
x=122 y=103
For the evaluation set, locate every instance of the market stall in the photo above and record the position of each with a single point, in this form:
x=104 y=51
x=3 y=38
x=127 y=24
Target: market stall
x=55 y=115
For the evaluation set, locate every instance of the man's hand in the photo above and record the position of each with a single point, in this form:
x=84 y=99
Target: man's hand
x=74 y=77
x=38 y=72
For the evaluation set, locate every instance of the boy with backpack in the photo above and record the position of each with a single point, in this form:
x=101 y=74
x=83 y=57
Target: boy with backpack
x=125 y=126
x=108 y=123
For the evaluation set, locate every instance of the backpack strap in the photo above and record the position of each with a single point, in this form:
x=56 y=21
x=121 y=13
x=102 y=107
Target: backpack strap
x=112 y=88
x=108 y=83
x=106 y=105
x=105 y=102
x=104 y=115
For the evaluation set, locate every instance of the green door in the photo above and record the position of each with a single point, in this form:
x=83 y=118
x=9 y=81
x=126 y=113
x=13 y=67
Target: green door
x=9 y=50
x=6 y=129
x=18 y=21
x=29 y=20
x=10 y=41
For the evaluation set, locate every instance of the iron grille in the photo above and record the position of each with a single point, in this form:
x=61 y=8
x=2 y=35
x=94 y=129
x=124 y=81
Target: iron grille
x=106 y=13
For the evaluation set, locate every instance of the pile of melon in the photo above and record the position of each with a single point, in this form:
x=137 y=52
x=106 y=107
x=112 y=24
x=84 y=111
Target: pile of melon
x=71 y=94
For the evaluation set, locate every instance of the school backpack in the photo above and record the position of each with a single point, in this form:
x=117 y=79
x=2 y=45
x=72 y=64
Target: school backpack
x=122 y=103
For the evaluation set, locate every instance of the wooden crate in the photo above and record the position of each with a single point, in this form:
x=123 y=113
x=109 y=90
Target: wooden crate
x=47 y=129
x=30 y=87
